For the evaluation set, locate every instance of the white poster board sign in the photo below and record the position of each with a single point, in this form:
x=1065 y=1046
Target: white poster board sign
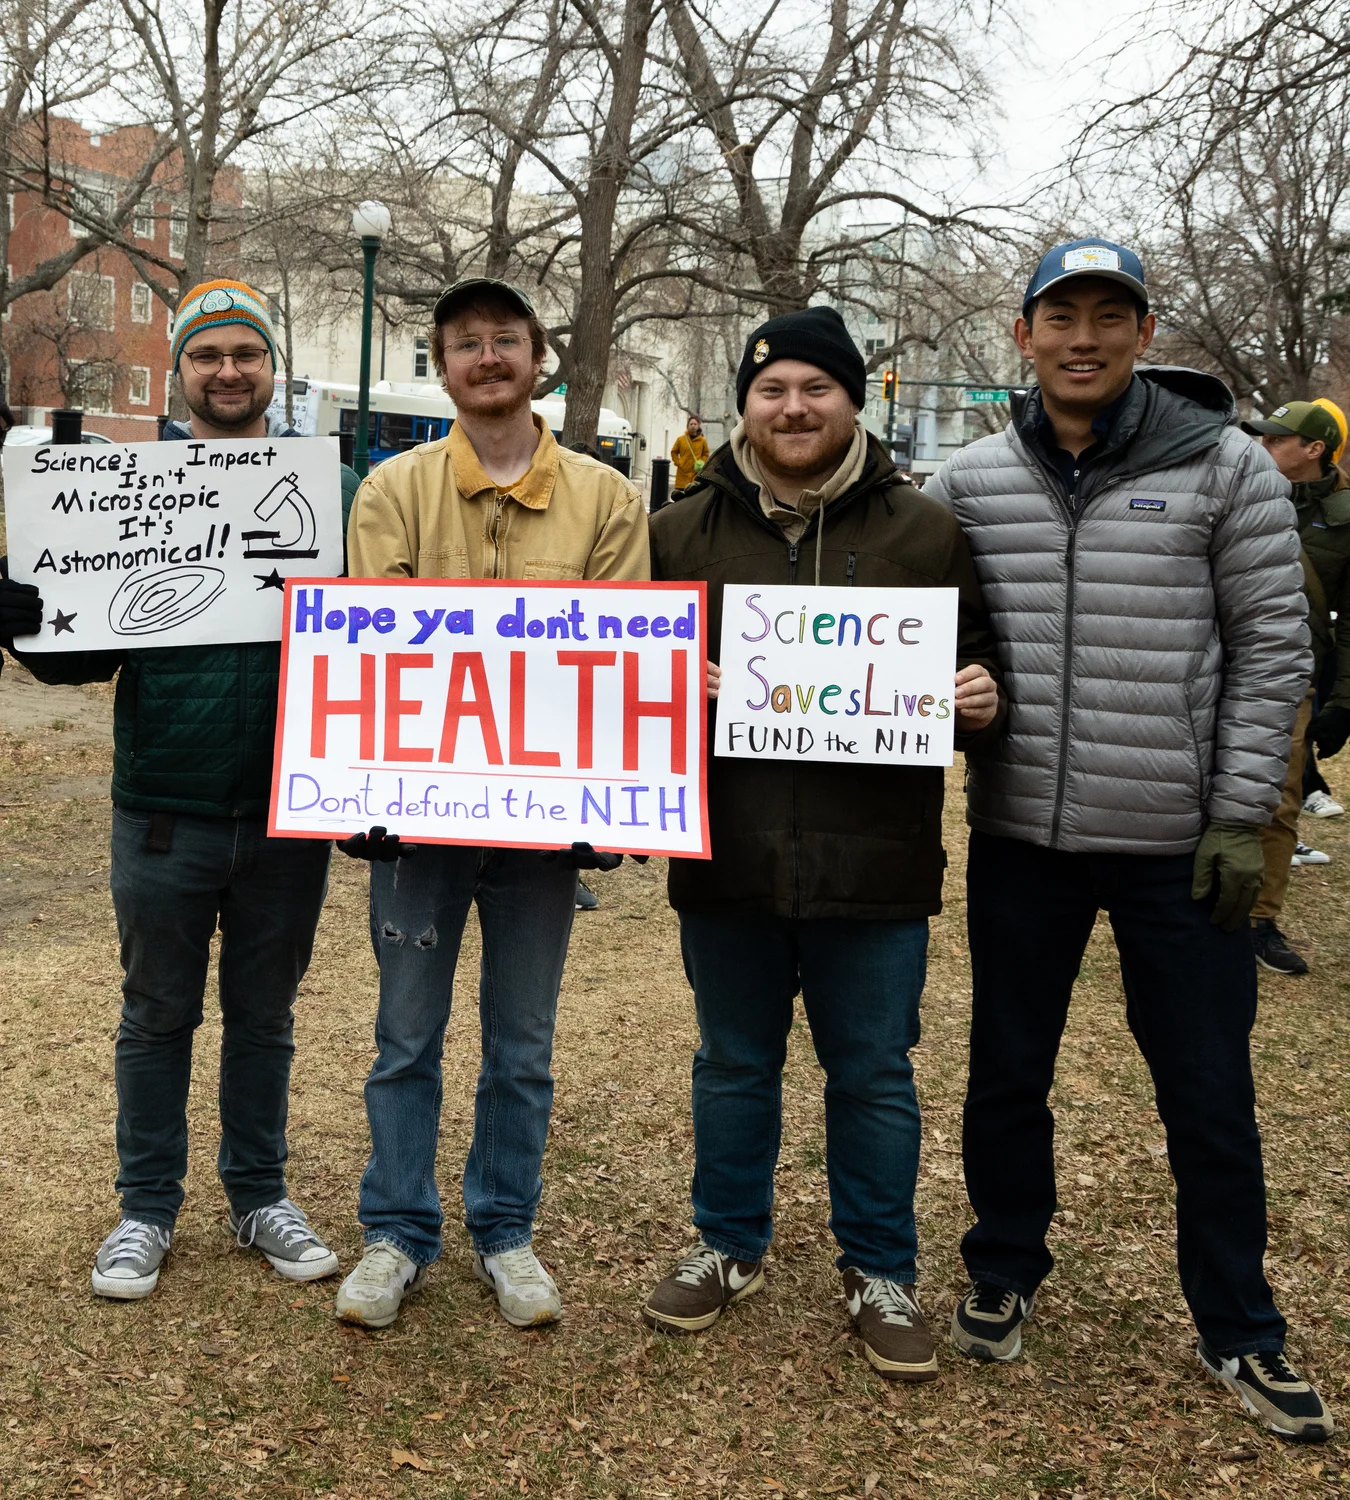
x=509 y=714
x=850 y=675
x=169 y=544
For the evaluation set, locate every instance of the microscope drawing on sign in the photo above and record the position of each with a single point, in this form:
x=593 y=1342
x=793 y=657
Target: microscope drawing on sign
x=285 y=507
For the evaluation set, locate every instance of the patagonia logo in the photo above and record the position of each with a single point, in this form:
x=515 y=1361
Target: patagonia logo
x=1148 y=504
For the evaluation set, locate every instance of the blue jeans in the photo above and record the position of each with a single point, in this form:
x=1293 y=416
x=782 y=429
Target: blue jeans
x=860 y=982
x=266 y=895
x=418 y=908
x=1190 y=1000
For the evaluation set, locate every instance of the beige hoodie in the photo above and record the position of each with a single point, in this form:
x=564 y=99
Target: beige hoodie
x=793 y=520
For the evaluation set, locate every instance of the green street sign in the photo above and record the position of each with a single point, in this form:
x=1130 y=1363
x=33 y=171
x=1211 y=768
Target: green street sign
x=979 y=396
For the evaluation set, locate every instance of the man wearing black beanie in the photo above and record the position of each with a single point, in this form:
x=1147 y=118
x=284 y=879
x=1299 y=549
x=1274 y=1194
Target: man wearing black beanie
x=823 y=876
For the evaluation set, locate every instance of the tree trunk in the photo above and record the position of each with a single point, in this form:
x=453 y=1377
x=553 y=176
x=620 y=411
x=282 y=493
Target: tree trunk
x=593 y=318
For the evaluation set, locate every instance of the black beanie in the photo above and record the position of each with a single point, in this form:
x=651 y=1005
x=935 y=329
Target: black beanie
x=817 y=336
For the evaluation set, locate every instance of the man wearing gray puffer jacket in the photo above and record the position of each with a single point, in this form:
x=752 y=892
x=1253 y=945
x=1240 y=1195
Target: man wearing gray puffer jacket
x=1140 y=565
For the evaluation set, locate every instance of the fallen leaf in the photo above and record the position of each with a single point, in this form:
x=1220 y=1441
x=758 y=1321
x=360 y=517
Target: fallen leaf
x=433 y=1416
x=299 y=1302
x=773 y=1484
x=342 y=1379
x=211 y=1350
x=577 y=1425
x=1085 y=1179
x=403 y=1459
x=870 y=1483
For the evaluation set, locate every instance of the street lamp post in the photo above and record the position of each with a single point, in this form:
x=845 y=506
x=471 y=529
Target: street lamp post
x=371 y=222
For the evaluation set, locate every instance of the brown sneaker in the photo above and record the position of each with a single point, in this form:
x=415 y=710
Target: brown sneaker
x=885 y=1313
x=700 y=1289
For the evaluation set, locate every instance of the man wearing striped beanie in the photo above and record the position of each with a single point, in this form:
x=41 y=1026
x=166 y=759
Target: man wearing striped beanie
x=224 y=353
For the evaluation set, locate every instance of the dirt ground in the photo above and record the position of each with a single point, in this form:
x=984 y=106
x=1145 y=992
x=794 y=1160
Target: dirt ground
x=230 y=1382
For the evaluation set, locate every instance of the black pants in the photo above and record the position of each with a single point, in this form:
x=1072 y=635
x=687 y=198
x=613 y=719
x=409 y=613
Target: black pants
x=1190 y=992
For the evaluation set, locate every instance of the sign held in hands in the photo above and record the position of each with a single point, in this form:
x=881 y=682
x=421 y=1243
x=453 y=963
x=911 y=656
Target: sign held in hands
x=857 y=676
x=507 y=714
x=169 y=544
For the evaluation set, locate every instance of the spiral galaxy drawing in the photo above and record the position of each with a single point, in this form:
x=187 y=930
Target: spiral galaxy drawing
x=150 y=602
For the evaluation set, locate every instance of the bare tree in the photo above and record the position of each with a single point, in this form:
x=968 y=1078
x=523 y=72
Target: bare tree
x=1236 y=179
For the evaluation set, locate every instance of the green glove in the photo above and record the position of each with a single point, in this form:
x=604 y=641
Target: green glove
x=1231 y=855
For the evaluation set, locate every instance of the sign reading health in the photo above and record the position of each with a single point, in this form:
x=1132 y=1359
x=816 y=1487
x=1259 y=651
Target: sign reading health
x=838 y=674
x=169 y=544
x=529 y=715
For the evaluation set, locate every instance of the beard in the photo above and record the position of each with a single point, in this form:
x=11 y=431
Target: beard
x=803 y=458
x=232 y=416
x=495 y=397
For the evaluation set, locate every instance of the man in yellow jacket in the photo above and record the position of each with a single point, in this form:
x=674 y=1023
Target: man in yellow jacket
x=689 y=453
x=498 y=498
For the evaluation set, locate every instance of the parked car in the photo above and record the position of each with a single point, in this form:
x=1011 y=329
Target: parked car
x=35 y=437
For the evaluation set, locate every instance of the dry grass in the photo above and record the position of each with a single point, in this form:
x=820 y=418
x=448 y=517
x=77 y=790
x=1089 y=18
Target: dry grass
x=229 y=1382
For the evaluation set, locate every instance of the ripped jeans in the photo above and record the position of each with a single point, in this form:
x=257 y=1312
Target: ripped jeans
x=418 y=908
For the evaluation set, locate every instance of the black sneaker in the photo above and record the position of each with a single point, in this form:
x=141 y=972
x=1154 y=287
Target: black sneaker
x=1274 y=1392
x=587 y=900
x=987 y=1322
x=1272 y=949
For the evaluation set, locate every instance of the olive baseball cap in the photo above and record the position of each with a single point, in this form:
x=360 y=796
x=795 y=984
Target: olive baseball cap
x=1303 y=419
x=1101 y=258
x=469 y=287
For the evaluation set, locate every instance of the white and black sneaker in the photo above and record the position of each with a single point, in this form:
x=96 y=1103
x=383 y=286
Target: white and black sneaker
x=373 y=1293
x=128 y=1261
x=1320 y=804
x=1274 y=1392
x=987 y=1322
x=1305 y=854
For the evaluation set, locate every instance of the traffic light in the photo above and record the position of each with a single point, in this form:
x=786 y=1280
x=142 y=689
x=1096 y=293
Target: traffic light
x=888 y=386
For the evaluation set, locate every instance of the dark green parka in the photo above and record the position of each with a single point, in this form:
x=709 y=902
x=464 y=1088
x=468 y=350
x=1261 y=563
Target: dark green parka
x=808 y=838
x=193 y=726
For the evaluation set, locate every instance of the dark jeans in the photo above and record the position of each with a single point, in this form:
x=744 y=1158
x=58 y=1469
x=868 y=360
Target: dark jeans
x=418 y=908
x=266 y=895
x=1190 y=1000
x=860 y=982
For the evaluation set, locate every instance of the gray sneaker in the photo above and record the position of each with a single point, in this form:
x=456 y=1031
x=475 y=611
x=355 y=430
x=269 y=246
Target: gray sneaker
x=282 y=1233
x=128 y=1261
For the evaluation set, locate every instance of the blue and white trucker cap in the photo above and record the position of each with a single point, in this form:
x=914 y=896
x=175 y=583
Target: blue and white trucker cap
x=1087 y=258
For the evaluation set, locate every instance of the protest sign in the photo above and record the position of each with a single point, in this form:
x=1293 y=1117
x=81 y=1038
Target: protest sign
x=528 y=715
x=838 y=674
x=169 y=544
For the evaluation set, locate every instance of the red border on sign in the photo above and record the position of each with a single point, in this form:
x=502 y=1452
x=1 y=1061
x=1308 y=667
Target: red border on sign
x=499 y=584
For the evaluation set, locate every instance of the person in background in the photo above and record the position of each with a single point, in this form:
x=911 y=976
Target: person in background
x=193 y=728
x=1141 y=565
x=1301 y=438
x=822 y=877
x=497 y=498
x=689 y=452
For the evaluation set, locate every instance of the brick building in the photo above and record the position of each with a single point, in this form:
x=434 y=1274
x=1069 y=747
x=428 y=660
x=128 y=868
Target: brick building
x=100 y=338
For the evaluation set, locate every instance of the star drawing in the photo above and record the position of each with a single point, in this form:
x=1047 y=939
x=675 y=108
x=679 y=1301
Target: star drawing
x=63 y=622
x=272 y=580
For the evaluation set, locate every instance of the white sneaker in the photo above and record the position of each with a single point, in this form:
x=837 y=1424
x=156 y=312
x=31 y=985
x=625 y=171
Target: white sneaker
x=1305 y=854
x=128 y=1261
x=526 y=1293
x=1319 y=805
x=371 y=1295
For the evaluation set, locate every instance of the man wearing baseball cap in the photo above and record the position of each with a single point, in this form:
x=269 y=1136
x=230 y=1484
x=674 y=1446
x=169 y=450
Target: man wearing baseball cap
x=1141 y=565
x=192 y=771
x=498 y=498
x=1303 y=438
x=822 y=877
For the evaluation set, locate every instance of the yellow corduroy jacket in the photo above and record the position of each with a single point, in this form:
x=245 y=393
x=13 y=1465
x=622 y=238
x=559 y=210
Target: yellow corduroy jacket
x=434 y=513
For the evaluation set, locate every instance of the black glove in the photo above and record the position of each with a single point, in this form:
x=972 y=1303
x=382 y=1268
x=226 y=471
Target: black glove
x=1330 y=730
x=20 y=606
x=584 y=857
x=377 y=845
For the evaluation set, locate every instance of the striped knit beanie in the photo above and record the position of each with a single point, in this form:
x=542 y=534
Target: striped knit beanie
x=213 y=304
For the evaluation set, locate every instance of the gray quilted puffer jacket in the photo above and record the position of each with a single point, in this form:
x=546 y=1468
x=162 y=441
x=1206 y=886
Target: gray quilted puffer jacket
x=1152 y=637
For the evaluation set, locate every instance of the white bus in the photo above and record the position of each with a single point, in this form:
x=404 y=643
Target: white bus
x=404 y=415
